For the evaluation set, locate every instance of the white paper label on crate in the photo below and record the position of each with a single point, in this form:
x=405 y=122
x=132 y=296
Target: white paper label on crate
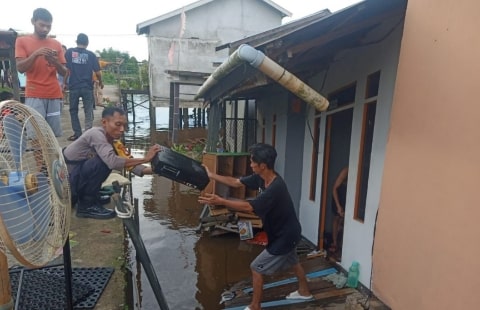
x=245 y=230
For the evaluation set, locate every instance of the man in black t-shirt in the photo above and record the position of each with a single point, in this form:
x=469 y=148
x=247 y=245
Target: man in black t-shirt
x=81 y=64
x=275 y=207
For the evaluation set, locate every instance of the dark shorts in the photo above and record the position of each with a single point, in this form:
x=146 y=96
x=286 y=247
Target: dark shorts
x=267 y=264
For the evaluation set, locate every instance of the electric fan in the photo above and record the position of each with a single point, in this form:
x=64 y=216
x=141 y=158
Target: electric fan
x=34 y=190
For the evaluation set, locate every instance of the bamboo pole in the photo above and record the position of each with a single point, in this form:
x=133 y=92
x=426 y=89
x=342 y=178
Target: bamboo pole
x=6 y=302
x=258 y=60
x=293 y=84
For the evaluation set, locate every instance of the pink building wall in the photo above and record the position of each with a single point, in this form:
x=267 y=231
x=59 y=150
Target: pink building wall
x=427 y=245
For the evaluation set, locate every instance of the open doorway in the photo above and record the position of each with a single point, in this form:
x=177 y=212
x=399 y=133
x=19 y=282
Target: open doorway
x=337 y=153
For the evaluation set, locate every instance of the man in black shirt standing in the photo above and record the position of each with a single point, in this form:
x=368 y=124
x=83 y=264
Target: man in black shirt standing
x=275 y=207
x=81 y=64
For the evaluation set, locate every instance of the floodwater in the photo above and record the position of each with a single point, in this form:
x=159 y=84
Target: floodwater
x=193 y=268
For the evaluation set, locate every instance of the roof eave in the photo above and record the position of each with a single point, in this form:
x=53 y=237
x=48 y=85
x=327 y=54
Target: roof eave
x=277 y=32
x=142 y=28
x=283 y=11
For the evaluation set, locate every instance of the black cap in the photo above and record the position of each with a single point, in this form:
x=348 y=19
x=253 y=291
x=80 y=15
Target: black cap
x=82 y=39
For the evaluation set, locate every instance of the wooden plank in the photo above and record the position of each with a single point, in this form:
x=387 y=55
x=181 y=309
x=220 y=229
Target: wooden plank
x=310 y=275
x=257 y=225
x=218 y=211
x=226 y=229
x=319 y=297
x=309 y=266
x=247 y=215
x=218 y=218
x=6 y=290
x=274 y=303
x=256 y=222
x=210 y=161
x=334 y=293
x=225 y=165
x=212 y=224
x=237 y=192
x=333 y=299
x=316 y=285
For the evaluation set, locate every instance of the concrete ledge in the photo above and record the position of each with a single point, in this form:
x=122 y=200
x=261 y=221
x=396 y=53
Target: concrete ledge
x=98 y=243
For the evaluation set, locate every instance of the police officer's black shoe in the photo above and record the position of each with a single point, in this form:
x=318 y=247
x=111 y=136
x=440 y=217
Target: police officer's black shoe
x=95 y=211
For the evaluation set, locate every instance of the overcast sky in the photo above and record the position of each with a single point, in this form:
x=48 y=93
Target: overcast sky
x=114 y=25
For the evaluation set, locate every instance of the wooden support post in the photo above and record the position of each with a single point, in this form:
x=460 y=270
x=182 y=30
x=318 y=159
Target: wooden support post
x=6 y=301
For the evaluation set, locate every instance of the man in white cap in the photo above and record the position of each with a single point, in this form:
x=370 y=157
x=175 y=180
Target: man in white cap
x=97 y=90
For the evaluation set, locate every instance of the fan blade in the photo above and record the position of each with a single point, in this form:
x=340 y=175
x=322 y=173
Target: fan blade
x=15 y=214
x=41 y=207
x=13 y=131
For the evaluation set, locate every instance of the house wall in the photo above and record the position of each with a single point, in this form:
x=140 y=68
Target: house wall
x=237 y=19
x=426 y=253
x=275 y=103
x=294 y=150
x=350 y=66
x=206 y=27
x=288 y=142
x=189 y=55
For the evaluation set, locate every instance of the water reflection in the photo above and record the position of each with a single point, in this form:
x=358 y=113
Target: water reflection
x=221 y=261
x=193 y=269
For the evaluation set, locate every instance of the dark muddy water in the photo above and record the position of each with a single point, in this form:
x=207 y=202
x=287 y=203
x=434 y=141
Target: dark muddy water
x=193 y=269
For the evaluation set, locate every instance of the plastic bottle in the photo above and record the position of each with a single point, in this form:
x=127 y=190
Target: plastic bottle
x=353 y=273
x=219 y=146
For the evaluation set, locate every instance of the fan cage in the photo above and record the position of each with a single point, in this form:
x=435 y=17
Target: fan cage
x=35 y=201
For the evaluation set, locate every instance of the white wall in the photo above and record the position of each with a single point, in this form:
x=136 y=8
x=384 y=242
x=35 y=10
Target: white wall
x=275 y=103
x=206 y=27
x=190 y=55
x=350 y=66
x=224 y=20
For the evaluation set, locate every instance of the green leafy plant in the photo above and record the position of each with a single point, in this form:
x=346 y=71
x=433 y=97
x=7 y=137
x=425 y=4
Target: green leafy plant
x=193 y=149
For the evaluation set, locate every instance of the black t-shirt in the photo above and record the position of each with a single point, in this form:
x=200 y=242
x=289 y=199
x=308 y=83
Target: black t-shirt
x=82 y=63
x=275 y=207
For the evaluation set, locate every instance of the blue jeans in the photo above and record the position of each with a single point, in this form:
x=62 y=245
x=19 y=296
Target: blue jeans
x=87 y=97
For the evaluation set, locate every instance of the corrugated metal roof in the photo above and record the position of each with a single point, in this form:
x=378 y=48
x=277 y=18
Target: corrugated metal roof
x=277 y=32
x=307 y=46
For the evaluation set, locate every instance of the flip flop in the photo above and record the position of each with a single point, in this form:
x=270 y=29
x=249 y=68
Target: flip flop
x=296 y=295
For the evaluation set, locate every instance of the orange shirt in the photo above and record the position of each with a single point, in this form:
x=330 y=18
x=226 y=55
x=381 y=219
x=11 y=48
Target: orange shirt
x=42 y=79
x=102 y=64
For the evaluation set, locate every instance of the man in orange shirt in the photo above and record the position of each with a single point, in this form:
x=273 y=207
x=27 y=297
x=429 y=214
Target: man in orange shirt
x=41 y=57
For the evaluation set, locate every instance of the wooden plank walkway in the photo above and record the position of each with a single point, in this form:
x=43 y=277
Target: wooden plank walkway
x=326 y=295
